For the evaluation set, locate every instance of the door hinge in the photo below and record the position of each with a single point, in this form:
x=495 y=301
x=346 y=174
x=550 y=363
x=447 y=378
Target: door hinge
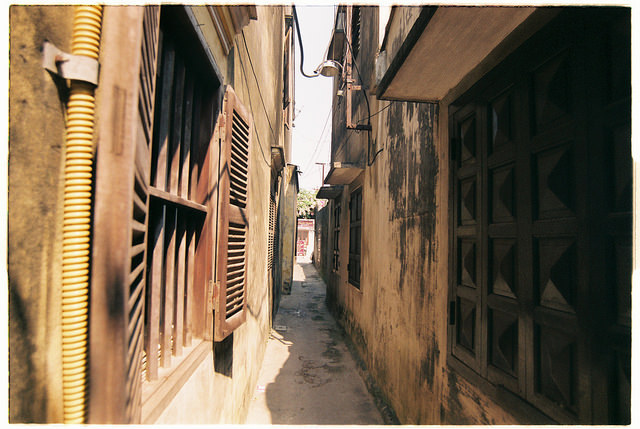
x=212 y=295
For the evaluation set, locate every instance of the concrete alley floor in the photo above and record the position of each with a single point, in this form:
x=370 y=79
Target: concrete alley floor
x=308 y=375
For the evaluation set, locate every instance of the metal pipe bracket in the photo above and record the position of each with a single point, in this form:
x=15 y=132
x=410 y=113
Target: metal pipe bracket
x=69 y=66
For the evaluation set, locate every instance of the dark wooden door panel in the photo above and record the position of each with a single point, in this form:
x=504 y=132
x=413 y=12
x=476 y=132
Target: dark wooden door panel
x=541 y=229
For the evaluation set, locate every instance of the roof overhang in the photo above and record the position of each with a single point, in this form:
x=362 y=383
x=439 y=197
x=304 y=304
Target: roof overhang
x=229 y=21
x=446 y=44
x=343 y=173
x=329 y=192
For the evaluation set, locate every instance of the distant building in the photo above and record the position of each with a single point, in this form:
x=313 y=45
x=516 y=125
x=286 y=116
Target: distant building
x=305 y=239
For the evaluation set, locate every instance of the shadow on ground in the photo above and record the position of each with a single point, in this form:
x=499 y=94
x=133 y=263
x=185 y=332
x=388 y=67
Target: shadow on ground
x=319 y=382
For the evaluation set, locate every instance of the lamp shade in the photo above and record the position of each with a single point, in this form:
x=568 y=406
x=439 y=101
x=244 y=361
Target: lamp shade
x=329 y=68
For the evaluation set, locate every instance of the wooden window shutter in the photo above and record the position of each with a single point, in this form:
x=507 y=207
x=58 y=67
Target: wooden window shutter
x=139 y=221
x=355 y=30
x=233 y=223
x=121 y=209
x=272 y=230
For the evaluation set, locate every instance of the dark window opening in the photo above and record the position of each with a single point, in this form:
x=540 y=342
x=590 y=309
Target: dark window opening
x=185 y=103
x=355 y=239
x=336 y=237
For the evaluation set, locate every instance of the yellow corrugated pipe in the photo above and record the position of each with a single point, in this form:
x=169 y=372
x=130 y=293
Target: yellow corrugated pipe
x=77 y=217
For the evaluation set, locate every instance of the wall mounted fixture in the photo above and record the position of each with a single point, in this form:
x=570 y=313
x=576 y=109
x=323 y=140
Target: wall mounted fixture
x=277 y=158
x=329 y=68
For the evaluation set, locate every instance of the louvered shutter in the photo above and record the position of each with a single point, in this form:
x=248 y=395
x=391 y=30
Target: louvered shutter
x=140 y=219
x=355 y=30
x=271 y=245
x=119 y=258
x=233 y=222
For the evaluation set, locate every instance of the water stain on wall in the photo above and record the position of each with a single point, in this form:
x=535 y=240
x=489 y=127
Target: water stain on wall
x=413 y=177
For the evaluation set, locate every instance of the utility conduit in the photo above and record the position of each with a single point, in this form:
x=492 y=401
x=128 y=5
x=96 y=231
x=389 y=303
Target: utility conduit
x=77 y=217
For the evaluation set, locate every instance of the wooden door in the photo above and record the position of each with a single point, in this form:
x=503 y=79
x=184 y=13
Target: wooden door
x=541 y=233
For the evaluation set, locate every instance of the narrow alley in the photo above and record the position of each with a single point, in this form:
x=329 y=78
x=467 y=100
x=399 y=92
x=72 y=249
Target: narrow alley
x=331 y=214
x=308 y=375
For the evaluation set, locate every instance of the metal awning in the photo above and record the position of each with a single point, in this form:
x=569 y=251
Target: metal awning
x=343 y=173
x=329 y=192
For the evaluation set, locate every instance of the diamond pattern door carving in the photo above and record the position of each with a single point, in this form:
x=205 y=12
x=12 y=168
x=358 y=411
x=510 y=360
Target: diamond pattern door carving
x=541 y=192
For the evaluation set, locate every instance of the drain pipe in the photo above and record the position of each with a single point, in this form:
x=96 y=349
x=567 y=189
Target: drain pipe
x=77 y=217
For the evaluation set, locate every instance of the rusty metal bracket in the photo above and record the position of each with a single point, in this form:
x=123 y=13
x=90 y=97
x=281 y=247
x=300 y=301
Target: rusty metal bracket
x=69 y=66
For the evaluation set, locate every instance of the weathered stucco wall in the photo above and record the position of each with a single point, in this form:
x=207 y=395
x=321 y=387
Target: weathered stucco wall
x=288 y=224
x=398 y=318
x=400 y=24
x=36 y=159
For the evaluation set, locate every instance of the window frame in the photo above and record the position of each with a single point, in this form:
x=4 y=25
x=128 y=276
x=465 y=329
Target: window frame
x=177 y=197
x=354 y=265
x=337 y=212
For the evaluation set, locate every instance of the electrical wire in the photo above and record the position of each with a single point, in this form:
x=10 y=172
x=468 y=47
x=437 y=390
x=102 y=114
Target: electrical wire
x=332 y=113
x=246 y=81
x=317 y=146
x=295 y=17
x=379 y=111
x=366 y=99
x=246 y=47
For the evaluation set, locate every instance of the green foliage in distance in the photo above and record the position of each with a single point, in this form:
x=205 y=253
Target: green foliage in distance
x=306 y=204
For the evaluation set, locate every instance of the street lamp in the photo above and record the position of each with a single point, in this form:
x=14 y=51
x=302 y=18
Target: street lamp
x=329 y=68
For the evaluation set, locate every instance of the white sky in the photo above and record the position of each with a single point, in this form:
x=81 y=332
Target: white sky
x=313 y=97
